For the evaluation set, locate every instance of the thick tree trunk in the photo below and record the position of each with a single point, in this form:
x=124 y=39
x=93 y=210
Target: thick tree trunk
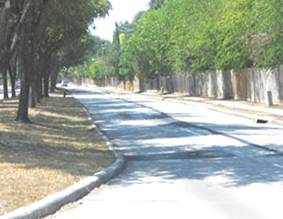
x=26 y=30
x=27 y=62
x=22 y=115
x=5 y=85
x=33 y=98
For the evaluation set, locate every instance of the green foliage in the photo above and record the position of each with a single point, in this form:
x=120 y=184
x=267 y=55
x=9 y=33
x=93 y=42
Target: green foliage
x=190 y=36
x=63 y=33
x=98 y=69
x=156 y=4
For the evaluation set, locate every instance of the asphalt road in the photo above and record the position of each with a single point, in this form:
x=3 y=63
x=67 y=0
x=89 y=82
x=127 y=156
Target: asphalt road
x=184 y=162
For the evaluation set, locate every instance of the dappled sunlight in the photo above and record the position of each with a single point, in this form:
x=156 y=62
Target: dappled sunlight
x=57 y=116
x=232 y=172
x=57 y=145
x=193 y=151
x=31 y=187
x=142 y=123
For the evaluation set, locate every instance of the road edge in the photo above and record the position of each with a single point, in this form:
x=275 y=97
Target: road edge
x=52 y=203
x=273 y=120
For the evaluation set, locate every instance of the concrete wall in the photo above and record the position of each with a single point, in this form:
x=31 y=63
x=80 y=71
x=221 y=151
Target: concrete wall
x=215 y=84
x=248 y=84
x=263 y=80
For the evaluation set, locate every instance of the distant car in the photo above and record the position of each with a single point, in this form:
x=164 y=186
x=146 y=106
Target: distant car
x=64 y=83
x=18 y=84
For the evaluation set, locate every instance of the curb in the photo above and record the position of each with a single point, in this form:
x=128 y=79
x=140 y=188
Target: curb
x=222 y=109
x=269 y=119
x=53 y=203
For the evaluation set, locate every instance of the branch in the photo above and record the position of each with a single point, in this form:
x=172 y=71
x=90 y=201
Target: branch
x=19 y=25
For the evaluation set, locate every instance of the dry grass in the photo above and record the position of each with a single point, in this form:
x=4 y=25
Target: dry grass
x=55 y=151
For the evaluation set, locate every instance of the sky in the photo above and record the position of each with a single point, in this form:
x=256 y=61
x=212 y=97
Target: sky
x=122 y=10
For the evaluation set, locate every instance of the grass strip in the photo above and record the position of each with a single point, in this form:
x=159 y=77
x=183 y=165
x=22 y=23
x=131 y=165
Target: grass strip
x=56 y=150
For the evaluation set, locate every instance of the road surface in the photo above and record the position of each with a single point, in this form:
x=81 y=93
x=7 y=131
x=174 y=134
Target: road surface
x=184 y=162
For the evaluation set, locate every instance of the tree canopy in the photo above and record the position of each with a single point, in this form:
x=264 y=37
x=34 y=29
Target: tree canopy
x=39 y=37
x=190 y=36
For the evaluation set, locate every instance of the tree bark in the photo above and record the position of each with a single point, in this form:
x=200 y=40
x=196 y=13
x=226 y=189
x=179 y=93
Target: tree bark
x=27 y=30
x=5 y=85
x=158 y=83
x=46 y=76
x=12 y=81
x=39 y=89
x=26 y=56
x=22 y=115
x=54 y=76
x=46 y=85
x=33 y=98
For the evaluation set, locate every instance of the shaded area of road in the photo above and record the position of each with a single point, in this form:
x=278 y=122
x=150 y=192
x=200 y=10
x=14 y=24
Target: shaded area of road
x=183 y=171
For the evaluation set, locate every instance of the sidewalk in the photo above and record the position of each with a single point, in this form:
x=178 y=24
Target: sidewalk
x=254 y=111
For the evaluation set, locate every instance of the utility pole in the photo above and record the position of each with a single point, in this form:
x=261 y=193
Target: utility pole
x=118 y=48
x=118 y=44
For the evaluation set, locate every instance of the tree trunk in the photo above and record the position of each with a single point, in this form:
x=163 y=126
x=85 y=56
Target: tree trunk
x=12 y=81
x=22 y=115
x=26 y=56
x=194 y=85
x=158 y=83
x=36 y=91
x=39 y=79
x=54 y=77
x=39 y=89
x=5 y=85
x=27 y=62
x=33 y=95
x=46 y=85
x=141 y=84
x=46 y=75
x=26 y=30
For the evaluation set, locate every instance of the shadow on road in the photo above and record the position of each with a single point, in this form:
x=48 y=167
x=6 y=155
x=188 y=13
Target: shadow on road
x=158 y=146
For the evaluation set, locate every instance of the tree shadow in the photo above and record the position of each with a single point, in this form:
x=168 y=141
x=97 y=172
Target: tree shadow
x=56 y=139
x=157 y=145
x=234 y=171
x=74 y=161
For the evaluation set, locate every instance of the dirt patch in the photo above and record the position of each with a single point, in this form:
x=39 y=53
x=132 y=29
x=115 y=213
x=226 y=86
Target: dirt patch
x=55 y=151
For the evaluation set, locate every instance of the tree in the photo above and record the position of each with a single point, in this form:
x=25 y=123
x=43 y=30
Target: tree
x=11 y=22
x=193 y=36
x=156 y=4
x=33 y=10
x=265 y=39
x=37 y=31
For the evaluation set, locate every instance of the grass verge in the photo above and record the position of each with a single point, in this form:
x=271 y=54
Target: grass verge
x=55 y=151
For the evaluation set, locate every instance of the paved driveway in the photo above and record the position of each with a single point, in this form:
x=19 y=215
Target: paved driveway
x=184 y=162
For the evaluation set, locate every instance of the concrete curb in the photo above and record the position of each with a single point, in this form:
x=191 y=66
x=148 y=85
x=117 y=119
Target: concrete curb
x=222 y=109
x=53 y=203
x=270 y=119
